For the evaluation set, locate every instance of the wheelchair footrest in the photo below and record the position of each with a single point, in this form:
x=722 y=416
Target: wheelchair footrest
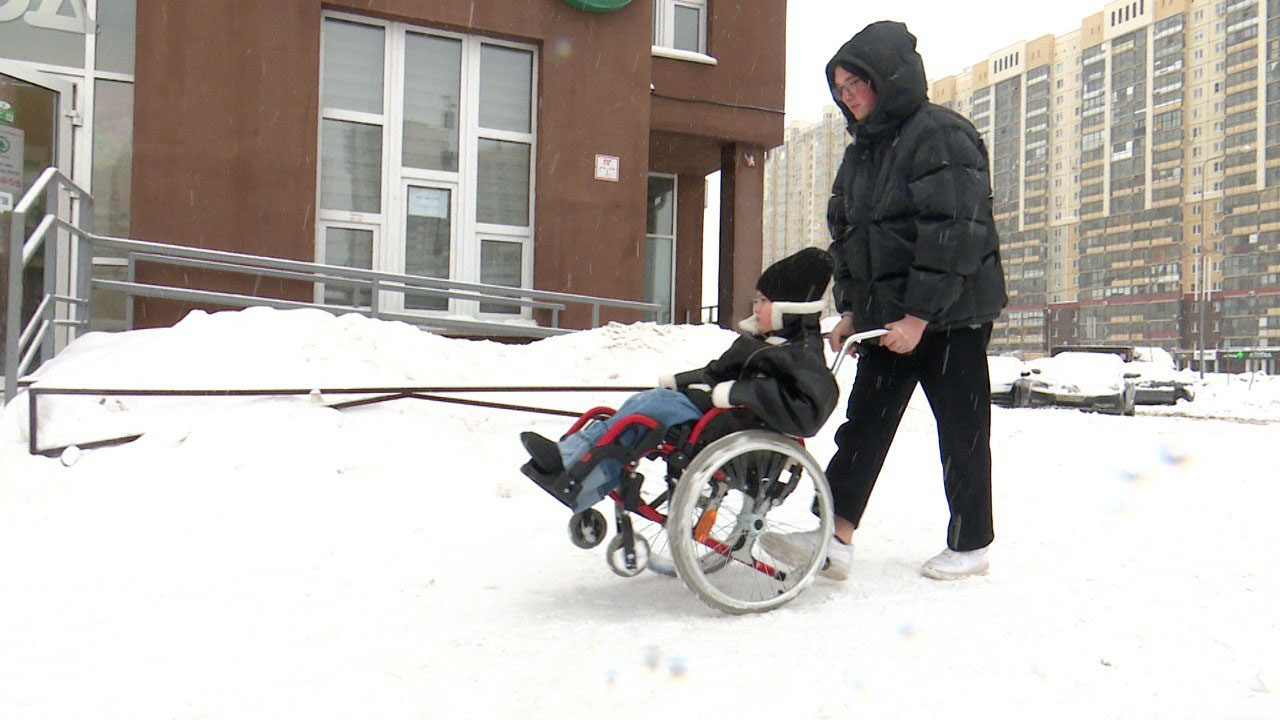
x=561 y=486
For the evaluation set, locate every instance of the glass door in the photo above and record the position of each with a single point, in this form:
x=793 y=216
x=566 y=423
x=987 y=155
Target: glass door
x=35 y=133
x=660 y=246
x=429 y=240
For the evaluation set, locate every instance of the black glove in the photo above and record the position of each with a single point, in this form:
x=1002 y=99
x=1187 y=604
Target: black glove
x=699 y=396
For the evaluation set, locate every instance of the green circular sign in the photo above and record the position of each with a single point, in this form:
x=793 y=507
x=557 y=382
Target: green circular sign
x=600 y=6
x=4 y=145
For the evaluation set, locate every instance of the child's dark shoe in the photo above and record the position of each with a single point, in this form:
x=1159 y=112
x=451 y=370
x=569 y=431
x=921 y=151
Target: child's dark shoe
x=543 y=453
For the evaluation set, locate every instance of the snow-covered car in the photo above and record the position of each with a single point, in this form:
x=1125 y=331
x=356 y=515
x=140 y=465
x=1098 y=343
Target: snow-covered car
x=1009 y=386
x=1152 y=354
x=1159 y=384
x=1085 y=380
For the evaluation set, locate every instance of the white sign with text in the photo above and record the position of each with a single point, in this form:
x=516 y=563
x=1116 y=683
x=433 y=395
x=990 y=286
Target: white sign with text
x=11 y=157
x=47 y=14
x=607 y=168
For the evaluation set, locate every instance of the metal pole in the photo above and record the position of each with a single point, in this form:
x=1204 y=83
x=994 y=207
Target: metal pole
x=1204 y=221
x=52 y=206
x=131 y=273
x=1200 y=329
x=33 y=420
x=1204 y=297
x=13 y=312
x=84 y=267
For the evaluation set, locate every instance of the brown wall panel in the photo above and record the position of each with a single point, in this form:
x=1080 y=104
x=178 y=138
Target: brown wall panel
x=691 y=197
x=226 y=112
x=741 y=230
x=741 y=97
x=224 y=134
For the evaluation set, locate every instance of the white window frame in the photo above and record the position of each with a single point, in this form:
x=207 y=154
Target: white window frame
x=466 y=232
x=664 y=21
x=322 y=227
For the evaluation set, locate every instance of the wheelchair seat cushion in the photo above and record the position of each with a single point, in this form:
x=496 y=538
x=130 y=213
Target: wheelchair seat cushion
x=725 y=423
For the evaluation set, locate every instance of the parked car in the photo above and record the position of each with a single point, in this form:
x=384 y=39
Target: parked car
x=1151 y=354
x=1159 y=384
x=1009 y=386
x=1086 y=380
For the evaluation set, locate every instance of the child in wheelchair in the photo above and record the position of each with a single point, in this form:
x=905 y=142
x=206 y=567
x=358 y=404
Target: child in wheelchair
x=776 y=372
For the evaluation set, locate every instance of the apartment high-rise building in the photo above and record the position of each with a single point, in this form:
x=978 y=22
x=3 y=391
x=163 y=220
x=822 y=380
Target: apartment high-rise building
x=797 y=184
x=1135 y=166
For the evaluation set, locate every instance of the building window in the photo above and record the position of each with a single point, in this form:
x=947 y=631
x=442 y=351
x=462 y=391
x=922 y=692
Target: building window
x=426 y=160
x=680 y=25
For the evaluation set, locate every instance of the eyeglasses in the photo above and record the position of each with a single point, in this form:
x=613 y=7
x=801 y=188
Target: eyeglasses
x=849 y=86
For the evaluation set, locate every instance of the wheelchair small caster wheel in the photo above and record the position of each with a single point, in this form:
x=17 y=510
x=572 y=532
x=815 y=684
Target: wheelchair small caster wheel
x=588 y=528
x=620 y=564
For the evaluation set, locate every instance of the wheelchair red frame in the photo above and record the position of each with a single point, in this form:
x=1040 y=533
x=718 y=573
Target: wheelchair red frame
x=663 y=451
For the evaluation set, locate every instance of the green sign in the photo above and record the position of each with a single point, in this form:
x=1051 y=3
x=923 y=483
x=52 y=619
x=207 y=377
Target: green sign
x=4 y=145
x=600 y=6
x=6 y=113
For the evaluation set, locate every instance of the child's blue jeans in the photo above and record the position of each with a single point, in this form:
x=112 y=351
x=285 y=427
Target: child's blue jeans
x=668 y=407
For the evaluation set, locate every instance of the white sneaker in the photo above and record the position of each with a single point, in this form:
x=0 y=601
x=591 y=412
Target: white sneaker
x=952 y=565
x=796 y=550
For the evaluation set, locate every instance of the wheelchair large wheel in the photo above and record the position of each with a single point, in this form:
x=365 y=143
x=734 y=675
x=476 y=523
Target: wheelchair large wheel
x=737 y=489
x=657 y=494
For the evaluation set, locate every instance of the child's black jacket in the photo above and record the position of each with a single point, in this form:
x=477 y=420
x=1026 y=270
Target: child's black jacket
x=781 y=377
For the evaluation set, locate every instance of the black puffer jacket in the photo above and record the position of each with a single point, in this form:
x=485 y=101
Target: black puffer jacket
x=781 y=377
x=910 y=210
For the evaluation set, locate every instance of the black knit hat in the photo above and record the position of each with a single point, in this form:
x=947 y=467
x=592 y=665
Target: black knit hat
x=802 y=277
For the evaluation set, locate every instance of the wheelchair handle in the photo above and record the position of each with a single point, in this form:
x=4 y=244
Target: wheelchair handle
x=855 y=338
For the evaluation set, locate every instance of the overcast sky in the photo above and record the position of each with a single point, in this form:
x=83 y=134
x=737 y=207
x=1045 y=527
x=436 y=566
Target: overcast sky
x=952 y=35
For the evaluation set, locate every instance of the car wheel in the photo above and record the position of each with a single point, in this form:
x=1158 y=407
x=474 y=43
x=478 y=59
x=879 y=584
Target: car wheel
x=1021 y=394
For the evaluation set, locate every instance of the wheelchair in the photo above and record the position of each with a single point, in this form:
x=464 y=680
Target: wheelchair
x=714 y=488
x=722 y=483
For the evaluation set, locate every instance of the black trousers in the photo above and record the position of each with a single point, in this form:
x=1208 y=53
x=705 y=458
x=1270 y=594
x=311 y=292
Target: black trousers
x=951 y=366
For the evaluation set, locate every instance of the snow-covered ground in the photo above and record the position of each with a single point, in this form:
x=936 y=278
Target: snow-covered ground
x=269 y=558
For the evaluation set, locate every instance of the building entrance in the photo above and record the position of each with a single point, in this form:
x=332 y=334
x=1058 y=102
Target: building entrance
x=35 y=133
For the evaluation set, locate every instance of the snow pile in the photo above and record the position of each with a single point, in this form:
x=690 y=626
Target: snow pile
x=261 y=348
x=1004 y=371
x=271 y=557
x=1247 y=398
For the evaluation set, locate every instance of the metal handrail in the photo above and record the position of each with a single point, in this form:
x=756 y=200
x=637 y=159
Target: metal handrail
x=183 y=251
x=23 y=343
x=35 y=334
x=33 y=243
x=237 y=300
x=338 y=280
x=50 y=175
